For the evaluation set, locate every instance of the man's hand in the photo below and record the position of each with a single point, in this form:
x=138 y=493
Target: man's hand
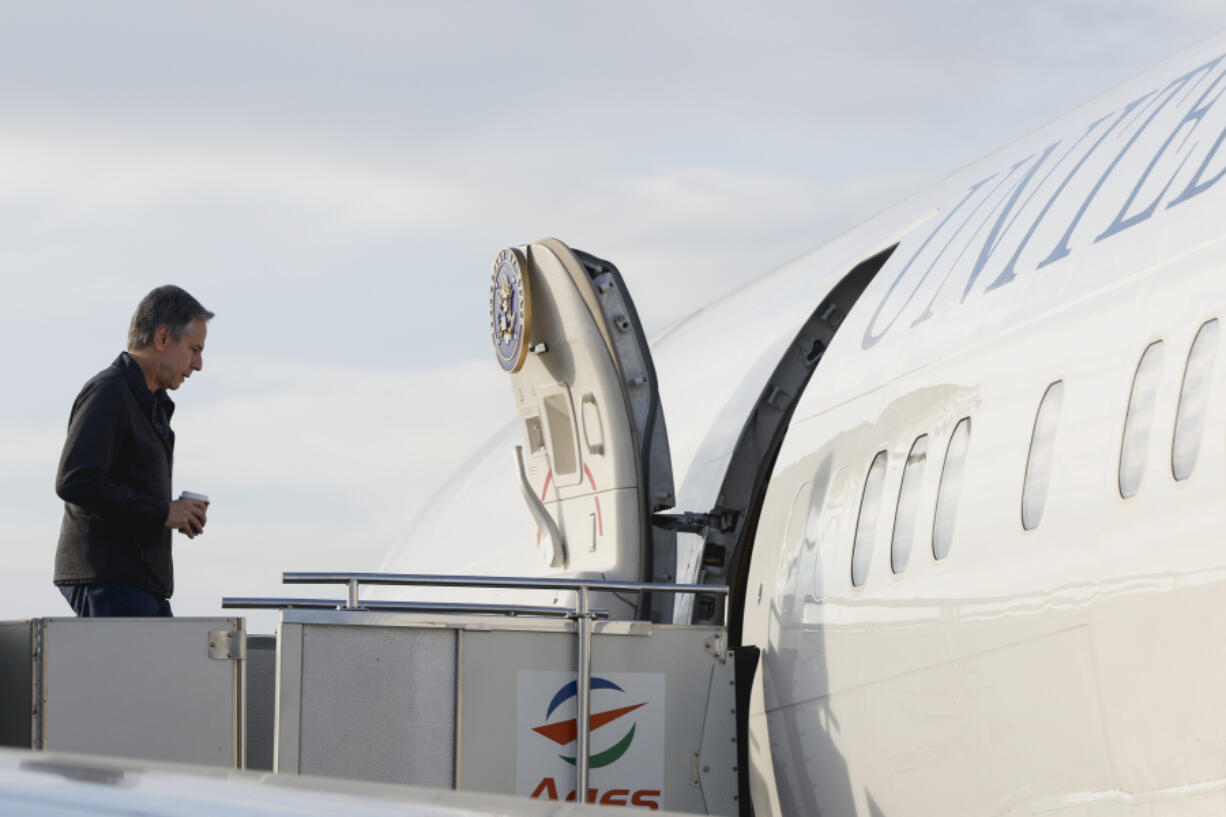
x=187 y=516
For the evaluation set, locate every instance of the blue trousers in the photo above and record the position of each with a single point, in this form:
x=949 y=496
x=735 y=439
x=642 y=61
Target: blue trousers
x=111 y=600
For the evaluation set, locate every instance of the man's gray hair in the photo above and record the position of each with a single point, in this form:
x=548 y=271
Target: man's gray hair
x=168 y=305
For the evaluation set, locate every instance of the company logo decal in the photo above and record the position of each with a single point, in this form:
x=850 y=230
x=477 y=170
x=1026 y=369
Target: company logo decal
x=626 y=747
x=567 y=731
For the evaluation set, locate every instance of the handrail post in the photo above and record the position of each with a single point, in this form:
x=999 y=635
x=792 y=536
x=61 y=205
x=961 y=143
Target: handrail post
x=352 y=602
x=583 y=624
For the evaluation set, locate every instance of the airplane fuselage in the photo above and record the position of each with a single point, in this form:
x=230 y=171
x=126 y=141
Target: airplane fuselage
x=988 y=576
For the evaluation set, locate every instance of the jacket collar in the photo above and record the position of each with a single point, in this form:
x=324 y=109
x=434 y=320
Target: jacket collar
x=149 y=401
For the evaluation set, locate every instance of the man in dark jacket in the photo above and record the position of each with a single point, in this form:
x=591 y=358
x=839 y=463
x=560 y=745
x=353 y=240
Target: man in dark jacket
x=113 y=557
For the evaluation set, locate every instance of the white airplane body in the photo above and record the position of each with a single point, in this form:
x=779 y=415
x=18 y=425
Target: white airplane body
x=1060 y=655
x=1031 y=625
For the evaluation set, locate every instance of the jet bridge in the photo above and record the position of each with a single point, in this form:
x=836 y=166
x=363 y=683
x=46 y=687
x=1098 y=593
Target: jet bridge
x=548 y=702
x=544 y=702
x=151 y=688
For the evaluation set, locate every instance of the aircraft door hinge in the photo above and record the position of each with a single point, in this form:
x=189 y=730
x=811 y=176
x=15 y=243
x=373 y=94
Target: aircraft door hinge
x=691 y=522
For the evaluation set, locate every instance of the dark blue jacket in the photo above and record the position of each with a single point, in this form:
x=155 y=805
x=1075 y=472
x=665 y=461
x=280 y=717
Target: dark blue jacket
x=114 y=478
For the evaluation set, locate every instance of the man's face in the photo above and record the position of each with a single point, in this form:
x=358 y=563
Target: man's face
x=178 y=359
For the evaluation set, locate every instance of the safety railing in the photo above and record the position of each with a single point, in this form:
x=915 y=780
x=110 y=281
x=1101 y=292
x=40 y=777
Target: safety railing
x=582 y=613
x=278 y=603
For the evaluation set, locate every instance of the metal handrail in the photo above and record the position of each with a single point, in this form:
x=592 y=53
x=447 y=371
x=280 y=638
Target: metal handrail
x=507 y=582
x=280 y=603
x=583 y=615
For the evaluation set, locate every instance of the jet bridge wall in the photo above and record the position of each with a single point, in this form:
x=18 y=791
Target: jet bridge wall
x=157 y=689
x=485 y=704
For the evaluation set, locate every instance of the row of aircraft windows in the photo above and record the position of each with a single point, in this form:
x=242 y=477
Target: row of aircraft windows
x=904 y=534
x=1185 y=447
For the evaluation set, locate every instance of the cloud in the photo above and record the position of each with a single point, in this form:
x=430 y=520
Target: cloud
x=291 y=215
x=107 y=169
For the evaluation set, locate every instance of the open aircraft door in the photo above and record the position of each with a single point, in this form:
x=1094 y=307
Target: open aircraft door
x=594 y=464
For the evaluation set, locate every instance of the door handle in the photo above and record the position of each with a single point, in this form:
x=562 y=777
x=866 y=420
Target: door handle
x=552 y=546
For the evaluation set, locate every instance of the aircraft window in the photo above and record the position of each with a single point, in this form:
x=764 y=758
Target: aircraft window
x=951 y=487
x=1139 y=418
x=1193 y=396
x=1042 y=452
x=866 y=525
x=908 y=505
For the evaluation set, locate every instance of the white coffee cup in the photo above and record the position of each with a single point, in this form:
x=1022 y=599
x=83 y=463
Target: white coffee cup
x=194 y=495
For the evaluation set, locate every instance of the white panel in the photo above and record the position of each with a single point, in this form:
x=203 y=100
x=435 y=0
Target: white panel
x=511 y=677
x=379 y=704
x=717 y=769
x=142 y=688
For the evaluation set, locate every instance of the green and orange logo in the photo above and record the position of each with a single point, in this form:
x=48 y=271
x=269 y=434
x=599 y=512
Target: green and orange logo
x=566 y=732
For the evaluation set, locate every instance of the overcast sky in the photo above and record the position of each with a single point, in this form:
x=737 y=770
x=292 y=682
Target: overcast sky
x=334 y=180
